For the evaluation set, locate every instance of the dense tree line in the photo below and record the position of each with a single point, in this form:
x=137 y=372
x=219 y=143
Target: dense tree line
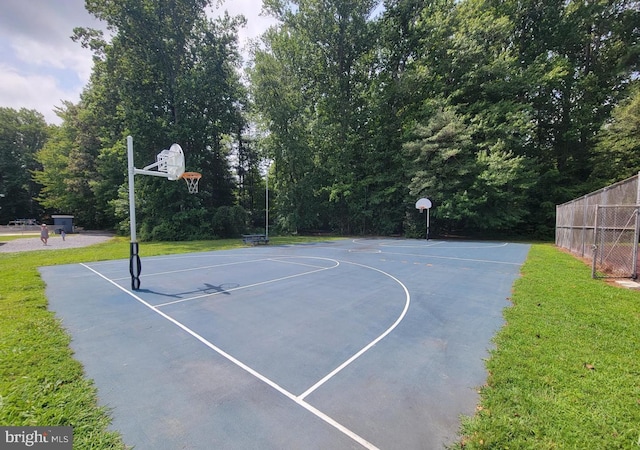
x=492 y=109
x=22 y=134
x=168 y=74
x=495 y=110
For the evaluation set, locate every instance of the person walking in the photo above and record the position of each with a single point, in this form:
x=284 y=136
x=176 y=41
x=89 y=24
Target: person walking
x=44 y=233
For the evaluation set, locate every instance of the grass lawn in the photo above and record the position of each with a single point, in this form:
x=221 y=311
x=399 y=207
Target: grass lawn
x=565 y=372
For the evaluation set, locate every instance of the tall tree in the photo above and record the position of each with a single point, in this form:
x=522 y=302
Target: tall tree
x=169 y=74
x=279 y=95
x=617 y=153
x=537 y=80
x=325 y=48
x=22 y=134
x=68 y=171
x=442 y=156
x=577 y=58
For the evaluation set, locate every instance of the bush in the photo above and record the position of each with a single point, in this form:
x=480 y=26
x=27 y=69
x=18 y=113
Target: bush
x=229 y=221
x=190 y=225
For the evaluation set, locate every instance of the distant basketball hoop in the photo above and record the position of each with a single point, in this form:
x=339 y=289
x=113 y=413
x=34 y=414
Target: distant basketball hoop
x=192 y=179
x=422 y=204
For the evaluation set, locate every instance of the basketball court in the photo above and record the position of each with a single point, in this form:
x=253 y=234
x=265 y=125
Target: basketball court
x=365 y=343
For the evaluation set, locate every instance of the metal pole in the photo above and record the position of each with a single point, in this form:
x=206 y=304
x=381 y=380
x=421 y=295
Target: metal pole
x=132 y=201
x=135 y=266
x=595 y=248
x=637 y=231
x=428 y=223
x=266 y=208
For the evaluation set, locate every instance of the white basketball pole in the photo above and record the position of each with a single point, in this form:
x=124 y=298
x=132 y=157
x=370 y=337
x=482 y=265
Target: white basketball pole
x=266 y=208
x=422 y=204
x=132 y=200
x=170 y=165
x=428 y=223
x=135 y=266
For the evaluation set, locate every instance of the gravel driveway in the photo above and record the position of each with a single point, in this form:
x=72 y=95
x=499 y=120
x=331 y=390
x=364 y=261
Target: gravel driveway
x=32 y=242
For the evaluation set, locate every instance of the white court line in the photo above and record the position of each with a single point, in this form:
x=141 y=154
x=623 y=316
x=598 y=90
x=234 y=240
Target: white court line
x=423 y=244
x=454 y=258
x=258 y=375
x=154 y=274
x=383 y=243
x=196 y=297
x=372 y=343
x=282 y=260
x=455 y=247
x=206 y=254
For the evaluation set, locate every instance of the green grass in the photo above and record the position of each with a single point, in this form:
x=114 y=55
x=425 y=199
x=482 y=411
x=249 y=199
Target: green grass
x=565 y=373
x=40 y=381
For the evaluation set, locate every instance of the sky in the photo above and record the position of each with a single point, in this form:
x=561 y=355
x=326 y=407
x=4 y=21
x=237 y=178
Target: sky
x=40 y=66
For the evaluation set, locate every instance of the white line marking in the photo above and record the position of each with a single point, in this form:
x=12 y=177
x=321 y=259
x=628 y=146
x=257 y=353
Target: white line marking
x=153 y=274
x=366 y=444
x=372 y=343
x=383 y=243
x=169 y=258
x=455 y=259
x=454 y=247
x=196 y=297
x=425 y=245
x=282 y=260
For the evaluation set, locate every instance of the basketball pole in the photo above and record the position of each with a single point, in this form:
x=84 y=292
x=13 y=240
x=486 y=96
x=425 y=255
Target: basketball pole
x=169 y=164
x=422 y=204
x=266 y=207
x=427 y=234
x=135 y=265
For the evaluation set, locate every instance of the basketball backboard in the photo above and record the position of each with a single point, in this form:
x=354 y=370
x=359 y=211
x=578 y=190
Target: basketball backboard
x=423 y=203
x=171 y=162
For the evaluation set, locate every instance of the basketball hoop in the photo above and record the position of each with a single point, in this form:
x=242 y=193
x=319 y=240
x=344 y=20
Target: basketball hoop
x=422 y=204
x=192 y=179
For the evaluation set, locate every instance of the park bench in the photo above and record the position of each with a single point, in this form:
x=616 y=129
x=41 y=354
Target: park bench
x=255 y=239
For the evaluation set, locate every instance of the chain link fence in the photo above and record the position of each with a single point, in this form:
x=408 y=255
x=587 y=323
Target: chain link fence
x=616 y=242
x=603 y=227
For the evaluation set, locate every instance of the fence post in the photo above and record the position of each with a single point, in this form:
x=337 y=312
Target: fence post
x=595 y=244
x=637 y=231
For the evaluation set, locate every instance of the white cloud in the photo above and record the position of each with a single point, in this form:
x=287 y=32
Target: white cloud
x=43 y=56
x=41 y=66
x=33 y=91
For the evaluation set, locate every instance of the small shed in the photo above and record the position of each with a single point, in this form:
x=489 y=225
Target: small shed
x=62 y=222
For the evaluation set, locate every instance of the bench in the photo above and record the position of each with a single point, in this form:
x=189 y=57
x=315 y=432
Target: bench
x=255 y=239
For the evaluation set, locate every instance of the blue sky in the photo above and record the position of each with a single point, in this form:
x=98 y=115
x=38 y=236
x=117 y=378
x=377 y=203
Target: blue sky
x=40 y=66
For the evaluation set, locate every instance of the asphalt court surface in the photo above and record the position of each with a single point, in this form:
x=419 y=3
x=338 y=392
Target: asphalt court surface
x=365 y=343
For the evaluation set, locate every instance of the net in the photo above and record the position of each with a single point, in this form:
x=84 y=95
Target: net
x=192 y=179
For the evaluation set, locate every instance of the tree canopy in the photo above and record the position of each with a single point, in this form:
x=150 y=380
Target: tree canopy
x=495 y=110
x=22 y=134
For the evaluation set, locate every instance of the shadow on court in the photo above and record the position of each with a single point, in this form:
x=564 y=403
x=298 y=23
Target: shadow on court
x=207 y=289
x=373 y=343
